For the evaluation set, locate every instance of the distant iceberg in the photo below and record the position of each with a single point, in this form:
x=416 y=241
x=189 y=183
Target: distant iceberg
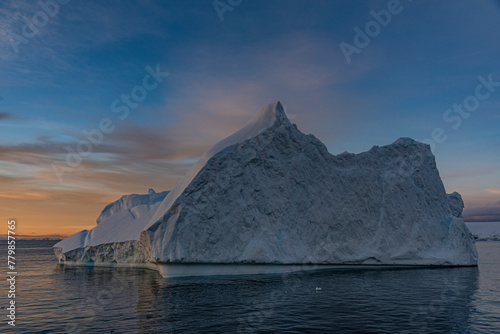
x=271 y=199
x=485 y=231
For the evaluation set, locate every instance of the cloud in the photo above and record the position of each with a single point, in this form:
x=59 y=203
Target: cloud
x=131 y=159
x=128 y=142
x=493 y=191
x=5 y=115
x=483 y=214
x=42 y=58
x=152 y=143
x=470 y=170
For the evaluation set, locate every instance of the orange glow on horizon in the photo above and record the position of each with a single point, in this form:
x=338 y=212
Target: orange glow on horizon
x=46 y=215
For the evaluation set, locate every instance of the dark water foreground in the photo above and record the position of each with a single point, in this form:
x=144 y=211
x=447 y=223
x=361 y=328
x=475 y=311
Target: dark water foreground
x=55 y=299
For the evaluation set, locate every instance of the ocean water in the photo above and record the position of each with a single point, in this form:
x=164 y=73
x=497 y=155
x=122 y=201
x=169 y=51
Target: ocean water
x=54 y=299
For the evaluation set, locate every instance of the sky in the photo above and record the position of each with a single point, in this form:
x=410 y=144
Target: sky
x=104 y=98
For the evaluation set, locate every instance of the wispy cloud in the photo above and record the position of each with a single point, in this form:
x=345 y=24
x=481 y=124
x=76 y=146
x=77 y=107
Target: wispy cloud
x=493 y=191
x=483 y=214
x=5 y=115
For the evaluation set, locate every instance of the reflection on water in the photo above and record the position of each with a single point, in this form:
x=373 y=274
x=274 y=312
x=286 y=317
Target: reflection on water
x=395 y=301
x=122 y=300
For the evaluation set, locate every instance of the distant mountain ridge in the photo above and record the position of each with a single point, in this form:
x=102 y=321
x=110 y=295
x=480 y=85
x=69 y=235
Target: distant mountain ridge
x=36 y=237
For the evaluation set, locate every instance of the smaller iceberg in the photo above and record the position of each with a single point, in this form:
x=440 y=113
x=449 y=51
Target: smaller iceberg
x=485 y=231
x=119 y=222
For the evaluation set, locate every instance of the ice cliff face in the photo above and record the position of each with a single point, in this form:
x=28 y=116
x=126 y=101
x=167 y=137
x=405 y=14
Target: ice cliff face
x=270 y=194
x=280 y=197
x=456 y=204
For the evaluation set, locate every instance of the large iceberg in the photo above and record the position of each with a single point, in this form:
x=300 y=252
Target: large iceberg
x=270 y=198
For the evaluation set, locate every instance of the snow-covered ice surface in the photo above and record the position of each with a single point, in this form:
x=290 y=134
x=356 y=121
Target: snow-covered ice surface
x=270 y=194
x=485 y=231
x=131 y=201
x=120 y=221
x=264 y=119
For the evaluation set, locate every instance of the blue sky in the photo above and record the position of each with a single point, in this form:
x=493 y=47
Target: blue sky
x=64 y=78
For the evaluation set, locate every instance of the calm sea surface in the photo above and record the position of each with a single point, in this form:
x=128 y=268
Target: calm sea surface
x=55 y=299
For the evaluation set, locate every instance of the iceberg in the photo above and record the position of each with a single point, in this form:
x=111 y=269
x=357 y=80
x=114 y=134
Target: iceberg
x=485 y=231
x=270 y=198
x=120 y=222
